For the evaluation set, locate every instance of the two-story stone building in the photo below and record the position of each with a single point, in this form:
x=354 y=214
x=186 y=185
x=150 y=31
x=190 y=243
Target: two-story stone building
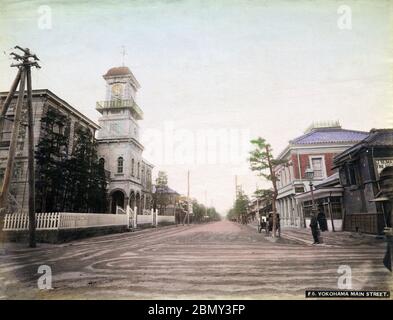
x=316 y=150
x=43 y=101
x=119 y=148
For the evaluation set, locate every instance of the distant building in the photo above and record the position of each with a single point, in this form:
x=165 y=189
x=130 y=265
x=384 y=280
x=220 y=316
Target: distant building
x=359 y=169
x=43 y=100
x=314 y=149
x=261 y=205
x=119 y=144
x=166 y=200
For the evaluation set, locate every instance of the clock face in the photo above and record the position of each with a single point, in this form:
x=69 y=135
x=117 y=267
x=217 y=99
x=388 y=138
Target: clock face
x=117 y=90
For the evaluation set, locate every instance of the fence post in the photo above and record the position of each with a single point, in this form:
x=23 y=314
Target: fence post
x=156 y=217
x=128 y=216
x=135 y=217
x=59 y=215
x=152 y=217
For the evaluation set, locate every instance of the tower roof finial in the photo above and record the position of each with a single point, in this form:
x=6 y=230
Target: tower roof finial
x=123 y=54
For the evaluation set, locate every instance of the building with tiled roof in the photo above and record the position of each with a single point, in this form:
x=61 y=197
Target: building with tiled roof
x=360 y=169
x=315 y=149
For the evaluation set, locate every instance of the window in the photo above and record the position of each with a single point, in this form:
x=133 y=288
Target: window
x=299 y=189
x=352 y=175
x=317 y=166
x=120 y=162
x=343 y=177
x=101 y=162
x=139 y=168
x=132 y=167
x=2 y=171
x=18 y=171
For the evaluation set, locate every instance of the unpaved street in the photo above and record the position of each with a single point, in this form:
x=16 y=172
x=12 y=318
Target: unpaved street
x=220 y=260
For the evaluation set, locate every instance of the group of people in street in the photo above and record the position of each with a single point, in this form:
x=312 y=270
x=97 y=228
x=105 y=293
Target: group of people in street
x=318 y=223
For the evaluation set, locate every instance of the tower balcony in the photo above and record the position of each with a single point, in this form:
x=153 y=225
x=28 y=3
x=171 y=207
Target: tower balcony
x=136 y=112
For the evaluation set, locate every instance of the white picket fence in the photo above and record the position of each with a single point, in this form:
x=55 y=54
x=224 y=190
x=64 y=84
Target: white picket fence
x=71 y=220
x=63 y=220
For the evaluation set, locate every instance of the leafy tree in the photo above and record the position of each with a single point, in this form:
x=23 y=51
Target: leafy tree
x=239 y=210
x=75 y=183
x=203 y=213
x=162 y=179
x=261 y=161
x=263 y=193
x=161 y=197
x=86 y=175
x=213 y=214
x=51 y=152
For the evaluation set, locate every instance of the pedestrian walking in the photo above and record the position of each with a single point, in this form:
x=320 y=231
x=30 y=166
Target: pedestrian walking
x=314 y=228
x=322 y=220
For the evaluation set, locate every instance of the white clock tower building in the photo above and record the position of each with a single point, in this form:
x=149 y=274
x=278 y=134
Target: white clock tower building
x=119 y=147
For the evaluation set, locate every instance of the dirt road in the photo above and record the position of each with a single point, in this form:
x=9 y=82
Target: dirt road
x=220 y=260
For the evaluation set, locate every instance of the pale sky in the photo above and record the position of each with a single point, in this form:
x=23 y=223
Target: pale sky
x=239 y=68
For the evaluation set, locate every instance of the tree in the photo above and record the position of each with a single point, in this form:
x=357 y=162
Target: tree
x=161 y=196
x=263 y=193
x=198 y=210
x=239 y=210
x=162 y=179
x=87 y=181
x=213 y=214
x=52 y=150
x=75 y=183
x=261 y=160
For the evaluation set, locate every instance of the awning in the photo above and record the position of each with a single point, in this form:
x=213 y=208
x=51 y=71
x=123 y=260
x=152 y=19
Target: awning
x=320 y=193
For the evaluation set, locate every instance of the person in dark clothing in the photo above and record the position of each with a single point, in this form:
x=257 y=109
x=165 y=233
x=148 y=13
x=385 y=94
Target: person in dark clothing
x=314 y=229
x=322 y=220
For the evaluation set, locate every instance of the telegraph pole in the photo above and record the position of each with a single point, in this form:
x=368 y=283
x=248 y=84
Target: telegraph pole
x=31 y=176
x=205 y=203
x=188 y=197
x=24 y=64
x=12 y=149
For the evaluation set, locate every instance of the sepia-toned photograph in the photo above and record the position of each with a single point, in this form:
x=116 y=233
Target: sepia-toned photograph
x=198 y=150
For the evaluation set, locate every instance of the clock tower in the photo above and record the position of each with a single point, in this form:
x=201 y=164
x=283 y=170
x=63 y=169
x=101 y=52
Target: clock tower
x=120 y=113
x=119 y=146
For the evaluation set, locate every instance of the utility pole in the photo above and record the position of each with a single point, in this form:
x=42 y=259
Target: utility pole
x=235 y=187
x=7 y=101
x=31 y=177
x=188 y=197
x=12 y=149
x=24 y=64
x=187 y=216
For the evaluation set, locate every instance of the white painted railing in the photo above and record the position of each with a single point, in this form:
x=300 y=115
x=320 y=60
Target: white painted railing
x=71 y=220
x=120 y=210
x=20 y=221
x=63 y=220
x=87 y=220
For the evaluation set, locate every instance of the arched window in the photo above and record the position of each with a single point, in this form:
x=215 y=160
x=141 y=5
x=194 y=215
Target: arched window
x=120 y=162
x=101 y=162
x=139 y=168
x=132 y=167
